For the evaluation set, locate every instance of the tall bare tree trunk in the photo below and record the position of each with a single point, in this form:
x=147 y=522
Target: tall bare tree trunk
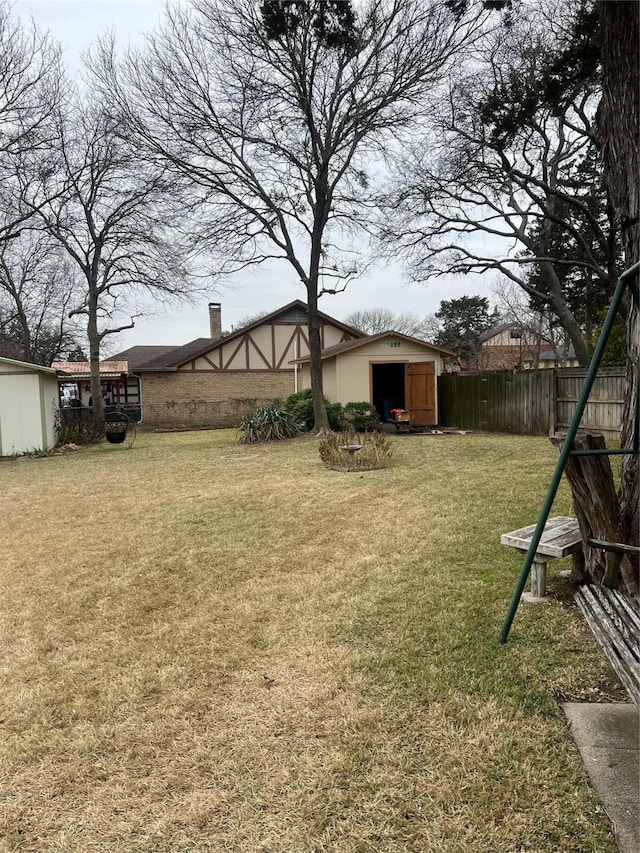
x=320 y=417
x=619 y=126
x=93 y=336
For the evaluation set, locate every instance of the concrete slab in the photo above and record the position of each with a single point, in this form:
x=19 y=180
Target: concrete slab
x=608 y=739
x=528 y=598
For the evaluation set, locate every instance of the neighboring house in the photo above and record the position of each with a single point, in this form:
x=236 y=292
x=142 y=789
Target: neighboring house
x=28 y=407
x=389 y=370
x=509 y=346
x=119 y=387
x=214 y=380
x=549 y=357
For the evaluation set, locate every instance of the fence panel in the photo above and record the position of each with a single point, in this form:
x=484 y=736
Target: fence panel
x=530 y=402
x=606 y=401
x=460 y=401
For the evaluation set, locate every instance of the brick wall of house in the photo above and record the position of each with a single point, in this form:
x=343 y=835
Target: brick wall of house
x=493 y=357
x=207 y=398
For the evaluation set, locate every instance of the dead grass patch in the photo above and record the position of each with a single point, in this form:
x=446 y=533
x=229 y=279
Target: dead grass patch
x=353 y=451
x=202 y=654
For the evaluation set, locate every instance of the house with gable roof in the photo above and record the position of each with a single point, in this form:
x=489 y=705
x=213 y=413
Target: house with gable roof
x=214 y=380
x=389 y=370
x=509 y=346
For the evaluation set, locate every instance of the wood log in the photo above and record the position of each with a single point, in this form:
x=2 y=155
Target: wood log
x=596 y=507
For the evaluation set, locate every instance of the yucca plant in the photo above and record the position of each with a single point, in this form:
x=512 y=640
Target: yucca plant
x=268 y=423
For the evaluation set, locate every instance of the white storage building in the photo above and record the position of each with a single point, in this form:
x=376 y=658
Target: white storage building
x=29 y=402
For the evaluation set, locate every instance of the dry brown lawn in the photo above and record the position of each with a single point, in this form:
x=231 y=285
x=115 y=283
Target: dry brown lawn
x=214 y=647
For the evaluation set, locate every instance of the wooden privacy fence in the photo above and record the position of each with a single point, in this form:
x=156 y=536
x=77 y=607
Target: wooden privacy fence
x=530 y=402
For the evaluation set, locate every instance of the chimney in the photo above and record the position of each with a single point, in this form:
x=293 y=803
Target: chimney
x=215 y=320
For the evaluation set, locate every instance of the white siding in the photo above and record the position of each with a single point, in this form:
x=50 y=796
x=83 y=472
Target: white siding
x=28 y=404
x=20 y=421
x=51 y=404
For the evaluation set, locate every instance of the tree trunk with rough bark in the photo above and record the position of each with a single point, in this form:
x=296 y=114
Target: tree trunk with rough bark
x=320 y=418
x=596 y=506
x=93 y=336
x=321 y=212
x=619 y=128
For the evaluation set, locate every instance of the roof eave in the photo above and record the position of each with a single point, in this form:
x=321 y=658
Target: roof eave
x=39 y=367
x=159 y=369
x=367 y=339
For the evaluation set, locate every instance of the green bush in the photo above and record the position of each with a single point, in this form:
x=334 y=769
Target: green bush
x=363 y=417
x=335 y=413
x=300 y=405
x=268 y=423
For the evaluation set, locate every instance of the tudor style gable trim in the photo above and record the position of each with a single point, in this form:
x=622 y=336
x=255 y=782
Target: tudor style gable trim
x=268 y=344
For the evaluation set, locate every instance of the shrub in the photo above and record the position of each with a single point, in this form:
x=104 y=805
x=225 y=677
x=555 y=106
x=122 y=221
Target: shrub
x=335 y=413
x=300 y=405
x=78 y=426
x=374 y=452
x=363 y=417
x=268 y=423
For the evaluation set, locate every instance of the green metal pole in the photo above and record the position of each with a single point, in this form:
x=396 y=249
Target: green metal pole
x=566 y=448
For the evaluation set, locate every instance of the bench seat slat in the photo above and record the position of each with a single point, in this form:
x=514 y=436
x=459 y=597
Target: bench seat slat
x=623 y=640
x=622 y=617
x=613 y=619
x=561 y=537
x=631 y=607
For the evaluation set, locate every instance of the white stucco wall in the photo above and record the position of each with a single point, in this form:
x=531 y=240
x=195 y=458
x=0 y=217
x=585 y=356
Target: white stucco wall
x=347 y=376
x=268 y=347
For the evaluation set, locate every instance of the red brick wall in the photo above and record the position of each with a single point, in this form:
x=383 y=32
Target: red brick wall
x=504 y=357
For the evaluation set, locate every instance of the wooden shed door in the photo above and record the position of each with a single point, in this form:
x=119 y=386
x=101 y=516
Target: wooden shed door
x=420 y=392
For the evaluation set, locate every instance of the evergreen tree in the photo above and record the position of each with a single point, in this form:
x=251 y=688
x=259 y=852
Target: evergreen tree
x=463 y=321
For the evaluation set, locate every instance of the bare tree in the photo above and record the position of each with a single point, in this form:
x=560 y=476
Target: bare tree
x=504 y=185
x=37 y=291
x=278 y=131
x=373 y=321
x=30 y=89
x=106 y=209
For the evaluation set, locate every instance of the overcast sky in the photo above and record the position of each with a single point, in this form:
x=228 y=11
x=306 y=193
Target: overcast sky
x=76 y=23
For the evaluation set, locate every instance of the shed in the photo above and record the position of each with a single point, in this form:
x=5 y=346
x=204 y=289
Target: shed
x=389 y=370
x=29 y=402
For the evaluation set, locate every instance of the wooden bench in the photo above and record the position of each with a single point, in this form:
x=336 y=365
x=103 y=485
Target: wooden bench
x=560 y=538
x=614 y=619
